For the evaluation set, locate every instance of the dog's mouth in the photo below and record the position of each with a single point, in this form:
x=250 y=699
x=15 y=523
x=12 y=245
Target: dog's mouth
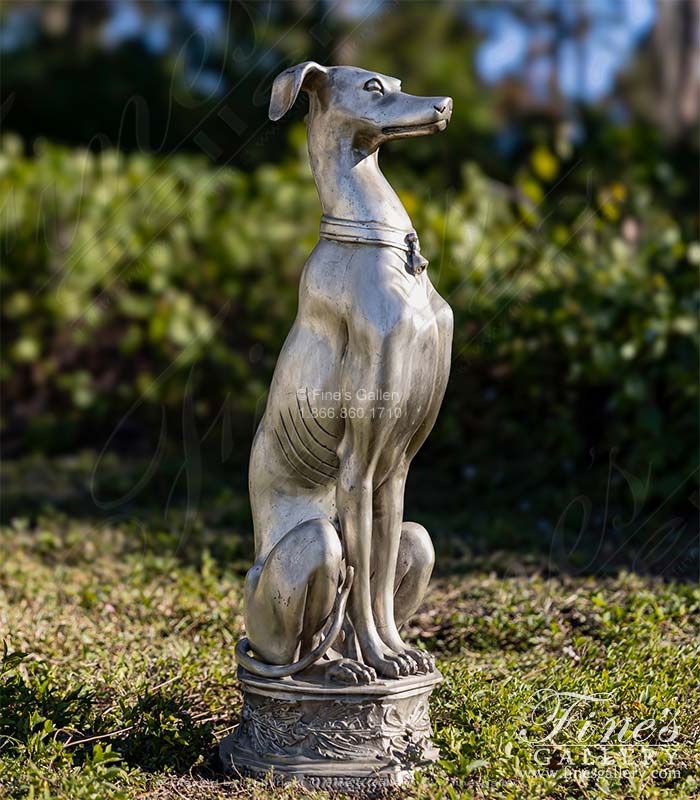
x=417 y=130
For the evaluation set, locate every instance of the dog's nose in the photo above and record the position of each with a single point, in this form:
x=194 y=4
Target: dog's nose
x=443 y=105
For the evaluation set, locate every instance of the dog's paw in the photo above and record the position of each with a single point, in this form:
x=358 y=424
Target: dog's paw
x=424 y=662
x=345 y=670
x=407 y=665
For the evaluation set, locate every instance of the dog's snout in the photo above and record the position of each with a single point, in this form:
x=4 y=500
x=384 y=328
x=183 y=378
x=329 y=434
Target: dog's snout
x=443 y=105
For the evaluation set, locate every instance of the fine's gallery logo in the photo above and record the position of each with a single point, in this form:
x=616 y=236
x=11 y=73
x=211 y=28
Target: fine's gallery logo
x=591 y=722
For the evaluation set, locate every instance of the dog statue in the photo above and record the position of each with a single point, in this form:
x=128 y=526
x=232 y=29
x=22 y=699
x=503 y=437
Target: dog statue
x=356 y=390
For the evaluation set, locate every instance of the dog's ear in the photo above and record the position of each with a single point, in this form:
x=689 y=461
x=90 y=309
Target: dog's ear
x=289 y=83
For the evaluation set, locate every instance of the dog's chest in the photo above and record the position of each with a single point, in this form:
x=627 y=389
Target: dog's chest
x=419 y=353
x=384 y=329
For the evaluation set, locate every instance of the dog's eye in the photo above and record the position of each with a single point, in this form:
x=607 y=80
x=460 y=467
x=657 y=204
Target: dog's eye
x=374 y=85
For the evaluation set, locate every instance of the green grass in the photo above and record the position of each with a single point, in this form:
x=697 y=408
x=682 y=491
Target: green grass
x=118 y=677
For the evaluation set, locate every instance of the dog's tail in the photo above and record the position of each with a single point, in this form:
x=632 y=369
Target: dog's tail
x=264 y=670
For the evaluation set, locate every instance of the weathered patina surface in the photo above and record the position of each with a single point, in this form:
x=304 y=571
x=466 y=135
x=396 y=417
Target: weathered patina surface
x=356 y=390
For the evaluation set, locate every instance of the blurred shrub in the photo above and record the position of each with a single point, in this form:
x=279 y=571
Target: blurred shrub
x=126 y=277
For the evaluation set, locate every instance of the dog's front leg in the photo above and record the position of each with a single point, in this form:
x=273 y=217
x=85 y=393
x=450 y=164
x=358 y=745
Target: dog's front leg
x=386 y=539
x=386 y=535
x=354 y=501
x=365 y=438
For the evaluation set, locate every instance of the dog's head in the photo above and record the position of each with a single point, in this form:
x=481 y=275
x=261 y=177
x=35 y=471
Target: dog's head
x=368 y=107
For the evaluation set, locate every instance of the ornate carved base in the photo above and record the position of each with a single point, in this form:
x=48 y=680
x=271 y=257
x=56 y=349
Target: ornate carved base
x=329 y=736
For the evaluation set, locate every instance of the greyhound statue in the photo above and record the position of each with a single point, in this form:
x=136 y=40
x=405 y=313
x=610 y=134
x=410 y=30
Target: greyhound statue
x=356 y=390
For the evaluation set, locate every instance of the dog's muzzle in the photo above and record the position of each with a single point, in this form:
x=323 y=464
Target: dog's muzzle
x=372 y=233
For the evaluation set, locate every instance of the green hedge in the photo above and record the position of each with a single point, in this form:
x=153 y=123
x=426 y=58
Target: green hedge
x=125 y=277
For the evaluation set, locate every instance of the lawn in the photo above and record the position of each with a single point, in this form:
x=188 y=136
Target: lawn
x=118 y=677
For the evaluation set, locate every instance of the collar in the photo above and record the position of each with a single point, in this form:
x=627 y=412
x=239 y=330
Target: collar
x=375 y=233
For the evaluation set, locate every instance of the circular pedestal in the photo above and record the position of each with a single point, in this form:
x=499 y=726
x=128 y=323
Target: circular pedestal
x=331 y=736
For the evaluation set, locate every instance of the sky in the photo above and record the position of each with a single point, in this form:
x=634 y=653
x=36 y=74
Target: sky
x=615 y=29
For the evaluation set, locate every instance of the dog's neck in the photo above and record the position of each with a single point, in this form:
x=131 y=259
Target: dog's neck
x=350 y=184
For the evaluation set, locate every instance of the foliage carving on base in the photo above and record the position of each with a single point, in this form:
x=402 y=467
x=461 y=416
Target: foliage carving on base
x=340 y=730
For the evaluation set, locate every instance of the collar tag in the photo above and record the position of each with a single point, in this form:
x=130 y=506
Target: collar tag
x=416 y=263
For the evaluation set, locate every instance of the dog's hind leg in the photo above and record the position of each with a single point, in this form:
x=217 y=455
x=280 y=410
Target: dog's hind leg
x=291 y=593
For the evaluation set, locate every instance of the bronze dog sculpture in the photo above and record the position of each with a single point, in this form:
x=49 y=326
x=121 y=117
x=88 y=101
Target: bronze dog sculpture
x=356 y=390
